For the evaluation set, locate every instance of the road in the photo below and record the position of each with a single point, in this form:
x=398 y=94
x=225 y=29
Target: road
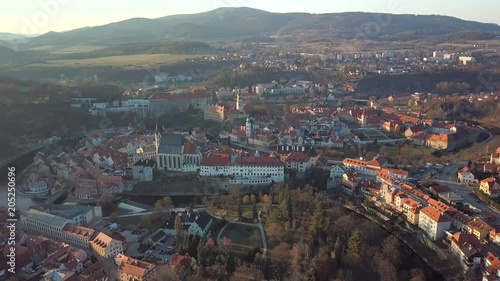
x=448 y=177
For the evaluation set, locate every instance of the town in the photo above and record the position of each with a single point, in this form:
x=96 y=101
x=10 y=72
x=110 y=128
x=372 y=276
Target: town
x=291 y=154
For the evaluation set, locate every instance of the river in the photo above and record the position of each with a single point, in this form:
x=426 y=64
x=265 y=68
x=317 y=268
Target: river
x=22 y=202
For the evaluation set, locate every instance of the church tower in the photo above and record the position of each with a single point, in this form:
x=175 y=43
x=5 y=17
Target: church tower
x=238 y=102
x=157 y=141
x=249 y=126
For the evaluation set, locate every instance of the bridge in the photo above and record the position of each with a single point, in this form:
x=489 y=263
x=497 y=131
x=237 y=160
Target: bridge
x=11 y=159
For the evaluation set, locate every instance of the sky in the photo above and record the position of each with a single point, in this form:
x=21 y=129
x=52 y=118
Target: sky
x=41 y=16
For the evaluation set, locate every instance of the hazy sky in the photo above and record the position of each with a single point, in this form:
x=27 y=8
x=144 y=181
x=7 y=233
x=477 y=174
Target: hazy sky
x=40 y=16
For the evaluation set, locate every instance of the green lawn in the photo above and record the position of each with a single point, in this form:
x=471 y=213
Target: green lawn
x=243 y=237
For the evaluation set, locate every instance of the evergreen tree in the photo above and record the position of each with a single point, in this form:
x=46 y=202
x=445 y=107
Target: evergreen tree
x=240 y=210
x=354 y=242
x=338 y=250
x=231 y=264
x=255 y=215
x=200 y=253
x=319 y=223
x=178 y=226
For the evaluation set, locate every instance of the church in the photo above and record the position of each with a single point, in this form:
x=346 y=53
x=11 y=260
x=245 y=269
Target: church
x=176 y=154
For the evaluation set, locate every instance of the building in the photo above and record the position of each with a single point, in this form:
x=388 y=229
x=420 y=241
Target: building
x=495 y=157
x=350 y=179
x=298 y=161
x=176 y=154
x=336 y=172
x=142 y=171
x=215 y=166
x=177 y=101
x=467 y=248
x=201 y=225
x=136 y=270
x=144 y=153
x=466 y=176
x=215 y=113
x=432 y=222
x=77 y=235
x=366 y=167
x=44 y=224
x=182 y=262
x=95 y=272
x=466 y=60
x=411 y=210
x=479 y=228
x=491 y=187
x=257 y=170
x=106 y=246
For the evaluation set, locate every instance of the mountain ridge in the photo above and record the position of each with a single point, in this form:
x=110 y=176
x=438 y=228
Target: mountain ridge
x=234 y=24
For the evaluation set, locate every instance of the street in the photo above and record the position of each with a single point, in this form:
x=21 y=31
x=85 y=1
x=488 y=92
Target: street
x=448 y=177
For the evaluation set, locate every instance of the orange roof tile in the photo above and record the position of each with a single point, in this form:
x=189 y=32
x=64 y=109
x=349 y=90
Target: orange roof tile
x=434 y=214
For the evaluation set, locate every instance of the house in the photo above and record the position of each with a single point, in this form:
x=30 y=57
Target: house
x=411 y=209
x=336 y=172
x=465 y=176
x=95 y=272
x=184 y=262
x=432 y=222
x=479 y=228
x=23 y=258
x=491 y=267
x=414 y=130
x=132 y=269
x=495 y=235
x=491 y=187
x=468 y=248
x=350 y=179
x=55 y=274
x=106 y=246
x=187 y=218
x=201 y=225
x=298 y=161
x=142 y=170
x=491 y=168
x=495 y=157
x=67 y=259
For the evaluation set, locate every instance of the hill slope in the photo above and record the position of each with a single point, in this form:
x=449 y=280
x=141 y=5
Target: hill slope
x=238 y=23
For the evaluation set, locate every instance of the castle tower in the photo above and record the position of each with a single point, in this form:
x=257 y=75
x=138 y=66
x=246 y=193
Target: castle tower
x=249 y=126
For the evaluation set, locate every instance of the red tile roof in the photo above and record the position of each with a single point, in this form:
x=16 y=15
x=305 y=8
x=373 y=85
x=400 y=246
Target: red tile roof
x=298 y=157
x=258 y=161
x=216 y=161
x=434 y=214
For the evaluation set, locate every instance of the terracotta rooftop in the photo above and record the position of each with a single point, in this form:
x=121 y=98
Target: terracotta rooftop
x=258 y=161
x=216 y=161
x=434 y=214
x=297 y=157
x=479 y=225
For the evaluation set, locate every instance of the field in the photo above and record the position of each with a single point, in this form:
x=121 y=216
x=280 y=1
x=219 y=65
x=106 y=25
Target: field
x=143 y=60
x=243 y=237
